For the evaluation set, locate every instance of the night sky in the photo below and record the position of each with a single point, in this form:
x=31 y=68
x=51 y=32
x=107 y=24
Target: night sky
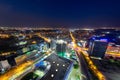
x=80 y=13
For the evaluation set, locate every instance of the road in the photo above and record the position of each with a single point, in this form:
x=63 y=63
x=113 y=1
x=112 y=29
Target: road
x=84 y=67
x=20 y=69
x=35 y=59
x=59 y=68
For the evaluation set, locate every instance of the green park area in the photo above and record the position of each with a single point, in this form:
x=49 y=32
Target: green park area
x=75 y=73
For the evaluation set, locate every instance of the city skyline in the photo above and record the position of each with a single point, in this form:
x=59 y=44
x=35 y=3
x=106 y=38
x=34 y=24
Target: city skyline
x=59 y=39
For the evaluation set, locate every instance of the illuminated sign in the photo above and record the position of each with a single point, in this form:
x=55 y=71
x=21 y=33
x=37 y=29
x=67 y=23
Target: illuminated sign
x=104 y=40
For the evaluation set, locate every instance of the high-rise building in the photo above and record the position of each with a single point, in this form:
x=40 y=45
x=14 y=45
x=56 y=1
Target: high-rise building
x=53 y=44
x=61 y=49
x=97 y=48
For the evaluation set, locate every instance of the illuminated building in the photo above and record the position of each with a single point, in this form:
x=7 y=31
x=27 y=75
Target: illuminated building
x=52 y=44
x=97 y=48
x=113 y=51
x=61 y=49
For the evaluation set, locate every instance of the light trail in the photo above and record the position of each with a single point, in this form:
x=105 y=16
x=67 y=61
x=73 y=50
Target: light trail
x=4 y=36
x=73 y=40
x=16 y=70
x=39 y=35
x=94 y=69
x=113 y=52
x=19 y=70
x=46 y=39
